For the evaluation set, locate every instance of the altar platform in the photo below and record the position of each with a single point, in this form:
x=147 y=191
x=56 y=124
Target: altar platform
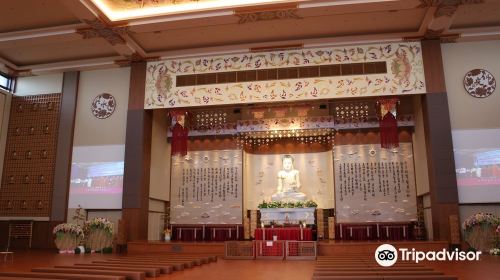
x=325 y=248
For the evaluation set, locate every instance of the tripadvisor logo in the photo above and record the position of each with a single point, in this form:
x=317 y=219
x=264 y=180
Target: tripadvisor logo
x=387 y=255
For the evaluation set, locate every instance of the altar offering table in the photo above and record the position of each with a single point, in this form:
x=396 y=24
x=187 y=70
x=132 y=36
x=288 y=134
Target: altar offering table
x=287 y=233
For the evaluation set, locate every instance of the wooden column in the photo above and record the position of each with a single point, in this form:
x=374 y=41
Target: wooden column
x=135 y=201
x=62 y=173
x=440 y=158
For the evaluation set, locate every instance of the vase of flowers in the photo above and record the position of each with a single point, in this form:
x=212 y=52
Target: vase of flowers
x=480 y=230
x=99 y=232
x=68 y=237
x=496 y=243
x=167 y=233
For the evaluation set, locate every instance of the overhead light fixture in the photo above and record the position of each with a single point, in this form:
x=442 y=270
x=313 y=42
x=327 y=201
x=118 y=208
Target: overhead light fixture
x=169 y=9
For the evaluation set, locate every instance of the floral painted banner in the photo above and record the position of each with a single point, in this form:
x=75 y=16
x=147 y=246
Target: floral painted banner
x=405 y=75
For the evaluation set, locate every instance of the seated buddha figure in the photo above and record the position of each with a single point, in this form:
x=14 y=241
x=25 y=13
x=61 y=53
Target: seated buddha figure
x=288 y=183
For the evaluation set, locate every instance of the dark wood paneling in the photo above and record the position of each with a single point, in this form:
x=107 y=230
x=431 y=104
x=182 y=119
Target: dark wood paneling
x=433 y=66
x=439 y=145
x=135 y=201
x=65 y=146
x=4 y=234
x=29 y=163
x=42 y=235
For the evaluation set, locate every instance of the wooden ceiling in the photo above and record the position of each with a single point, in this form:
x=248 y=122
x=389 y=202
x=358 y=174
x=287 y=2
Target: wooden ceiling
x=42 y=36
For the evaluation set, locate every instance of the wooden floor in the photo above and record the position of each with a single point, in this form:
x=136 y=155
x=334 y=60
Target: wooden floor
x=487 y=268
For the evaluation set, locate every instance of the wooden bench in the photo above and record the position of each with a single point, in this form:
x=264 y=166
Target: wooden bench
x=68 y=276
x=178 y=265
x=365 y=265
x=211 y=258
x=150 y=272
x=422 y=277
x=197 y=261
x=170 y=267
x=24 y=278
x=409 y=277
x=129 y=275
x=373 y=277
x=187 y=263
x=375 y=273
x=194 y=261
x=373 y=269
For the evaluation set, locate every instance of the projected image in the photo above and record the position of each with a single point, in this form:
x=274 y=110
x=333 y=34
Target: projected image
x=478 y=168
x=97 y=177
x=101 y=177
x=477 y=164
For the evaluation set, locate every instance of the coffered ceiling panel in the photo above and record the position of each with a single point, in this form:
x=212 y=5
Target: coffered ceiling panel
x=72 y=50
x=479 y=15
x=33 y=14
x=288 y=29
x=49 y=35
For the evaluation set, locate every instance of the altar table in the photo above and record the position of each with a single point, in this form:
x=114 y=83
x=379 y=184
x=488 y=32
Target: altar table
x=291 y=233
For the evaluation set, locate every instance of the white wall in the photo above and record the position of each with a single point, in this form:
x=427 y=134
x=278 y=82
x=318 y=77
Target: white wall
x=467 y=112
x=91 y=131
x=159 y=185
x=156 y=219
x=43 y=84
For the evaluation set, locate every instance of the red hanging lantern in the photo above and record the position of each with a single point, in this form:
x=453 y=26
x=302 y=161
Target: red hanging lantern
x=387 y=109
x=179 y=133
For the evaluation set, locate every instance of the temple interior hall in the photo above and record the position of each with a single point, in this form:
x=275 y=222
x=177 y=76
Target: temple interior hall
x=249 y=139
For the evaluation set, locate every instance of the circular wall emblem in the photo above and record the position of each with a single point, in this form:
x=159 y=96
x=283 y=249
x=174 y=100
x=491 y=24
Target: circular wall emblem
x=479 y=83
x=103 y=106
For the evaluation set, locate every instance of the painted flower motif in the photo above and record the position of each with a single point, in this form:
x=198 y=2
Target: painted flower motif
x=163 y=83
x=401 y=67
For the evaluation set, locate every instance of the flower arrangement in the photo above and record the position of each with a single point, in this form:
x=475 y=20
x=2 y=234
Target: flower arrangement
x=68 y=237
x=99 y=233
x=480 y=231
x=99 y=223
x=71 y=229
x=482 y=219
x=280 y=204
x=167 y=234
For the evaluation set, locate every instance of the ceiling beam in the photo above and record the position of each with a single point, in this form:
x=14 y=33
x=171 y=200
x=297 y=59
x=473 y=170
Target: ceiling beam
x=73 y=65
x=40 y=32
x=439 y=18
x=98 y=26
x=307 y=43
